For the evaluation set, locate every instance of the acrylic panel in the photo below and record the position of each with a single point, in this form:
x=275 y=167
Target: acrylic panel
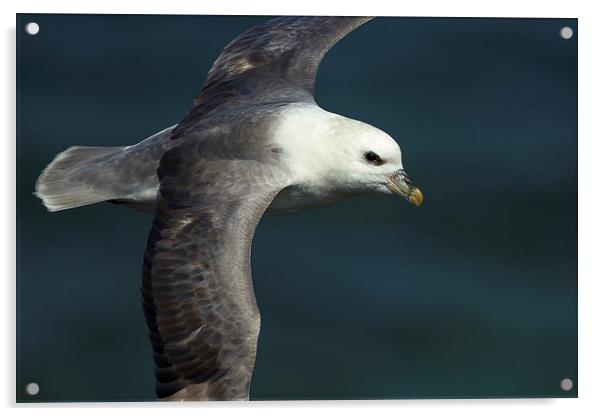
x=473 y=294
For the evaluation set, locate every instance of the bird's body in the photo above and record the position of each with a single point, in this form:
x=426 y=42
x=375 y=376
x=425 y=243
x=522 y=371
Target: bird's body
x=299 y=131
x=254 y=142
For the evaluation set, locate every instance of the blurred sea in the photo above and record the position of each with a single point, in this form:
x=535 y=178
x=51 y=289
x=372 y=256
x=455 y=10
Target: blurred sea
x=472 y=295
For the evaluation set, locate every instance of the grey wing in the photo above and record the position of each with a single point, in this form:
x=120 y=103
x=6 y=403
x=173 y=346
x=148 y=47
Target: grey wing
x=286 y=47
x=196 y=289
x=270 y=64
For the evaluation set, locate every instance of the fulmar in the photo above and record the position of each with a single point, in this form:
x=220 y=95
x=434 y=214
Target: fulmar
x=255 y=142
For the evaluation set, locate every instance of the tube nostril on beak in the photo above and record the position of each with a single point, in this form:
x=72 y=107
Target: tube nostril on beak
x=404 y=176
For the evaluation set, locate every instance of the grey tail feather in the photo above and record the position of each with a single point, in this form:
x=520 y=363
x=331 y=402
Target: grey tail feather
x=68 y=181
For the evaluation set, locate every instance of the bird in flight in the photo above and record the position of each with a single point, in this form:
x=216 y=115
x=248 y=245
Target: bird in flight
x=255 y=142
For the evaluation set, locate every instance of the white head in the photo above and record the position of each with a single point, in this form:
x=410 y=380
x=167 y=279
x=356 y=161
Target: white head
x=331 y=153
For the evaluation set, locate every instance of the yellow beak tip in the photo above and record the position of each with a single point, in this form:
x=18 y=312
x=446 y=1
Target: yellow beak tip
x=416 y=197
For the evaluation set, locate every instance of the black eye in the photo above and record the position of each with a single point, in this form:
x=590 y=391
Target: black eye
x=373 y=158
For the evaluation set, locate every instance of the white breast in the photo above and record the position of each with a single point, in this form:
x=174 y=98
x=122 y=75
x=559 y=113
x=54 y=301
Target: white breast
x=311 y=140
x=302 y=132
x=306 y=134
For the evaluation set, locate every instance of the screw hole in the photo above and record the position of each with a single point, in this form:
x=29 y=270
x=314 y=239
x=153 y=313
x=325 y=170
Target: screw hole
x=32 y=389
x=566 y=33
x=32 y=28
x=566 y=384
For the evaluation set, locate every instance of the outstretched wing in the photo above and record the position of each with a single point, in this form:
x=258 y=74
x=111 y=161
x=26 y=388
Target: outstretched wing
x=272 y=63
x=285 y=47
x=197 y=291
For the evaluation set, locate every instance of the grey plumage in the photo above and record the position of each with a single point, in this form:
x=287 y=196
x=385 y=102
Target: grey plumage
x=217 y=174
x=86 y=175
x=196 y=287
x=73 y=178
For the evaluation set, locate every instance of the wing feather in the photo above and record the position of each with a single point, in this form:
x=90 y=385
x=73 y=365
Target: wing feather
x=271 y=64
x=197 y=292
x=285 y=47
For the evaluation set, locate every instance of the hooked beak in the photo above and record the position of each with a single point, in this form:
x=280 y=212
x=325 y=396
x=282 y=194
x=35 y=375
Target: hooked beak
x=402 y=185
